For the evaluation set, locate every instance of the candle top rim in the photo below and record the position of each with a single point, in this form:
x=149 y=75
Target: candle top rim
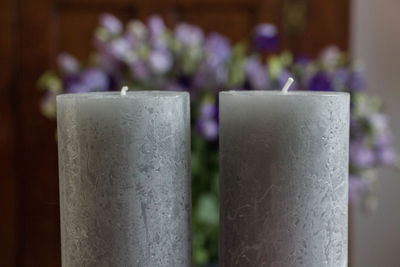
x=280 y=93
x=129 y=94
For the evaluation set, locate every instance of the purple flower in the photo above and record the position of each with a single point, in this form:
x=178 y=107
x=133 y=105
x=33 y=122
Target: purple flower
x=121 y=49
x=109 y=62
x=360 y=155
x=157 y=29
x=256 y=74
x=221 y=75
x=218 y=49
x=210 y=77
x=387 y=156
x=173 y=86
x=348 y=80
x=207 y=128
x=357 y=81
x=90 y=80
x=302 y=60
x=207 y=122
x=213 y=72
x=109 y=55
x=73 y=84
x=156 y=26
x=383 y=139
x=160 y=61
x=111 y=23
x=320 y=82
x=95 y=79
x=208 y=111
x=265 y=38
x=201 y=77
x=356 y=187
x=340 y=79
x=189 y=35
x=139 y=70
x=67 y=63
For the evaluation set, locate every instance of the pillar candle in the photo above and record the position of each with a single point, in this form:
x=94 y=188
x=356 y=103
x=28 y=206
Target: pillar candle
x=125 y=187
x=284 y=179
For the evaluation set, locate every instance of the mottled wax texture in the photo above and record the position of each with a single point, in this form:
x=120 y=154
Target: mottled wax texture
x=284 y=177
x=125 y=187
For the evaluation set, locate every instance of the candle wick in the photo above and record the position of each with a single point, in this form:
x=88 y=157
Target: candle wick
x=124 y=90
x=287 y=85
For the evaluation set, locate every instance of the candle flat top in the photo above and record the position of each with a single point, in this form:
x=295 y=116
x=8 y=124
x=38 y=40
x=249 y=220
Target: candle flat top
x=280 y=93
x=129 y=94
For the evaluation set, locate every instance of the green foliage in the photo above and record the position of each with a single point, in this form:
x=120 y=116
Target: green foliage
x=205 y=200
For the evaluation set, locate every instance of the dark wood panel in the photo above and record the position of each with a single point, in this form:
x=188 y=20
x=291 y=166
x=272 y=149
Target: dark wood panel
x=8 y=183
x=235 y=23
x=39 y=244
x=29 y=192
x=141 y=3
x=76 y=29
x=327 y=23
x=35 y=39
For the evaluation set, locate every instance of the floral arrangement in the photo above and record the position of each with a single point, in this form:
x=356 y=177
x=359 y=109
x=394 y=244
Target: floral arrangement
x=153 y=57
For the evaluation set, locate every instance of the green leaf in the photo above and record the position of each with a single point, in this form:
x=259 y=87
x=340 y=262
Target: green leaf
x=275 y=67
x=207 y=210
x=200 y=256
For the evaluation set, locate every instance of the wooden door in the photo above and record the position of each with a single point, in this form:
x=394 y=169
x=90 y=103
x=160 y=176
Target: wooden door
x=33 y=32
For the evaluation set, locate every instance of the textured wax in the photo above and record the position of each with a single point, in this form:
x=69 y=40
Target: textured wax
x=125 y=187
x=284 y=179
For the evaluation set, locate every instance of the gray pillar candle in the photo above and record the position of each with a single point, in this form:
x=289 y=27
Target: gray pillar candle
x=284 y=179
x=125 y=187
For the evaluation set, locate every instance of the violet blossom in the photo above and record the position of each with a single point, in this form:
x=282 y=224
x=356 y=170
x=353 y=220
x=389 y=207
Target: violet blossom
x=357 y=81
x=217 y=49
x=361 y=155
x=160 y=61
x=67 y=63
x=92 y=79
x=157 y=30
x=320 y=82
x=207 y=122
x=387 y=156
x=265 y=38
x=111 y=23
x=189 y=35
x=139 y=70
x=256 y=74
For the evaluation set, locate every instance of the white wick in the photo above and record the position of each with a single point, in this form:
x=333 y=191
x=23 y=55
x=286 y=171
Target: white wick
x=287 y=85
x=123 y=90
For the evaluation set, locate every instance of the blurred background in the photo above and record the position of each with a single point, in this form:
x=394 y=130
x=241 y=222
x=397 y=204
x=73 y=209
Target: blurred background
x=34 y=32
